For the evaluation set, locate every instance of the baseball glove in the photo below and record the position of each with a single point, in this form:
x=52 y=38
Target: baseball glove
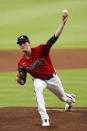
x=22 y=73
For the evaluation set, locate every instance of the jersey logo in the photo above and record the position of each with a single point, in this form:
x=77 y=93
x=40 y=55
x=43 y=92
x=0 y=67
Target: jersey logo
x=36 y=64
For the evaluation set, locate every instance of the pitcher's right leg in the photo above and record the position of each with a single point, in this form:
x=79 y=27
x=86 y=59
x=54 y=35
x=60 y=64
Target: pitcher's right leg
x=56 y=87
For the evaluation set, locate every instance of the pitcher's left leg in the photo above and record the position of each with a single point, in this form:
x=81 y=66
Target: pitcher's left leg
x=39 y=85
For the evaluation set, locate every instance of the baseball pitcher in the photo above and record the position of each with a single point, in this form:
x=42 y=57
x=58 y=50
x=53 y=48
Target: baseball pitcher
x=37 y=62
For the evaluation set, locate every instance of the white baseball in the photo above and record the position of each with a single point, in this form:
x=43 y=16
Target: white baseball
x=65 y=12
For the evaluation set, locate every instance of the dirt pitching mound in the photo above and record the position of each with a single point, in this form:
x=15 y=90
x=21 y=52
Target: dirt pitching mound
x=28 y=119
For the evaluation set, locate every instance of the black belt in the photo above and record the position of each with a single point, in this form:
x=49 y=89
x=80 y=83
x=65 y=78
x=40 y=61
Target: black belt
x=49 y=77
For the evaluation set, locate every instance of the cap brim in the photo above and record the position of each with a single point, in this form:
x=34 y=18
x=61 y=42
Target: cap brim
x=18 y=42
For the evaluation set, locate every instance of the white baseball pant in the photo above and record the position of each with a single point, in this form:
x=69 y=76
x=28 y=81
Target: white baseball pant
x=54 y=85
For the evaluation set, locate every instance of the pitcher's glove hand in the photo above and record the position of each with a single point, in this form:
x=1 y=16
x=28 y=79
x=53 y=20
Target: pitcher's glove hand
x=22 y=73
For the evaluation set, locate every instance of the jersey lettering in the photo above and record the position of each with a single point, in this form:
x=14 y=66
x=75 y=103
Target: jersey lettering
x=36 y=64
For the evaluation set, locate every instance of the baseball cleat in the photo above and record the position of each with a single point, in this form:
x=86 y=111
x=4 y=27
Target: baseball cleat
x=45 y=123
x=69 y=107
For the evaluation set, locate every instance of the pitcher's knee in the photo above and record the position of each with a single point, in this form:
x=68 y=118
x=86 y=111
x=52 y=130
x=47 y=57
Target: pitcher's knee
x=63 y=99
x=38 y=89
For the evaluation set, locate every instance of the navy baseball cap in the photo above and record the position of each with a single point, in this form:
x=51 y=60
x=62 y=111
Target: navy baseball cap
x=22 y=38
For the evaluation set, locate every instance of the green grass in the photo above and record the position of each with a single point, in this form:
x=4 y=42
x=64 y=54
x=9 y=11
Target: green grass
x=12 y=94
x=39 y=20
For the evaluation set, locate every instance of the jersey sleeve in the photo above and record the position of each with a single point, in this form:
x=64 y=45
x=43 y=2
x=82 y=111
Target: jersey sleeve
x=19 y=64
x=52 y=40
x=47 y=45
x=21 y=61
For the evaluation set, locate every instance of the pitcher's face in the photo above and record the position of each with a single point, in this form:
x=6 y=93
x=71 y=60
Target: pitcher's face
x=25 y=46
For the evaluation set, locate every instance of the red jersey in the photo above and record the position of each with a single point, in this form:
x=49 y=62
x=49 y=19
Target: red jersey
x=39 y=63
